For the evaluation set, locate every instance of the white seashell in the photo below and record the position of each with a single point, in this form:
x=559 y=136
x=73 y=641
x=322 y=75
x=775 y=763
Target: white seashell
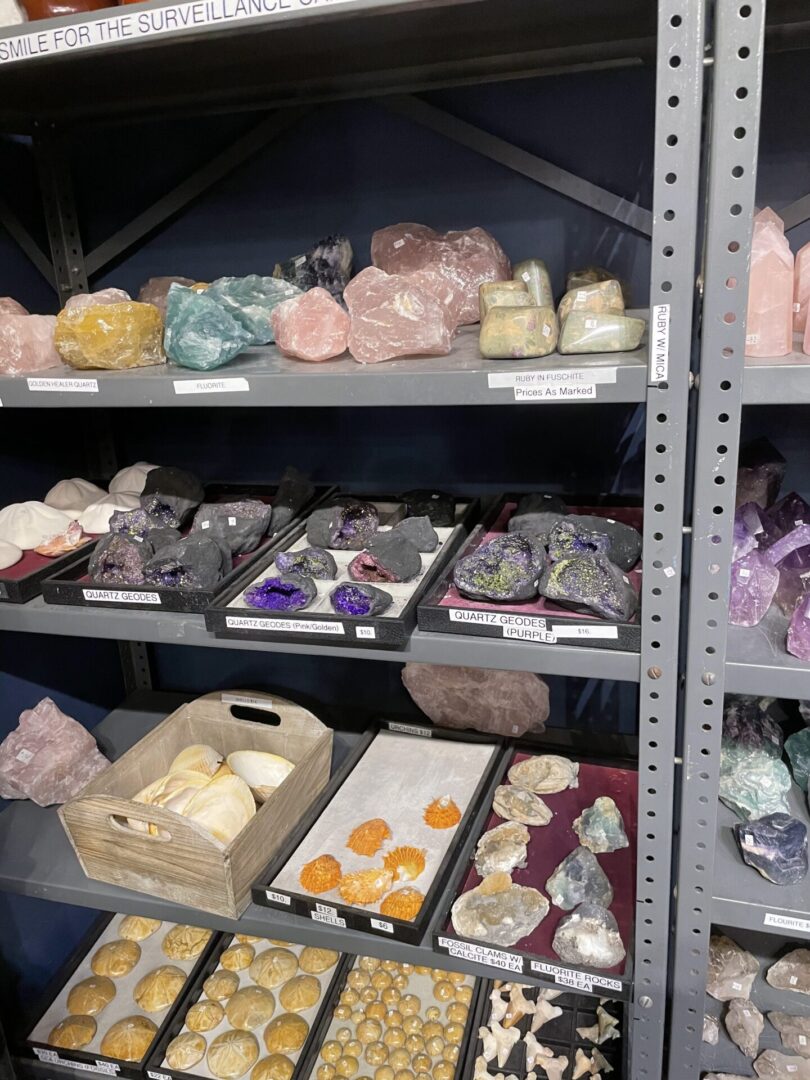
x=29 y=524
x=131 y=479
x=74 y=495
x=261 y=772
x=199 y=758
x=163 y=791
x=9 y=554
x=96 y=517
x=223 y=808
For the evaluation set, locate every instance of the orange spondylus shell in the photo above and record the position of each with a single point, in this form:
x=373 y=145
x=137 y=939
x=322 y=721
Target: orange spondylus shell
x=405 y=863
x=365 y=886
x=368 y=838
x=402 y=904
x=442 y=813
x=321 y=874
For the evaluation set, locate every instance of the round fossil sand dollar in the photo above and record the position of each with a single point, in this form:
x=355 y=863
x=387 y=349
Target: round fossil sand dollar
x=137 y=927
x=275 y=1067
x=185 y=1051
x=73 y=1032
x=250 y=1007
x=129 y=1039
x=185 y=942
x=158 y=989
x=273 y=967
x=204 y=1016
x=237 y=957
x=90 y=996
x=116 y=958
x=300 y=993
x=314 y=961
x=286 y=1034
x=232 y=1053
x=221 y=984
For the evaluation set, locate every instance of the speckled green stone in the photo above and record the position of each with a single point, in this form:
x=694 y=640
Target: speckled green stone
x=534 y=273
x=601 y=298
x=517 y=333
x=584 y=332
x=502 y=294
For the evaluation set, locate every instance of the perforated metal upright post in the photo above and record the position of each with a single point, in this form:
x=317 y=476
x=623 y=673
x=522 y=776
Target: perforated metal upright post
x=70 y=275
x=735 y=97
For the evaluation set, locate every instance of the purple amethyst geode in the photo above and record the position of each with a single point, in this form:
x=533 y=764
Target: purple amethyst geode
x=747 y=725
x=593 y=583
x=776 y=846
x=346 y=527
x=286 y=592
x=506 y=569
x=240 y=524
x=119 y=559
x=194 y=563
x=358 y=600
x=566 y=539
x=312 y=562
x=133 y=523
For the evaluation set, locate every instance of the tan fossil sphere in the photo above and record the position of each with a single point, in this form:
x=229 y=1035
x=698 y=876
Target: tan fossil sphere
x=401 y=981
x=250 y=1007
x=275 y=1067
x=349 y=997
x=158 y=989
x=315 y=961
x=394 y=1037
x=138 y=928
x=434 y=1045
x=422 y=1063
x=431 y=1029
x=450 y=1053
x=353 y=1048
x=343 y=1034
x=384 y=1072
x=454 y=1033
x=444 y=991
x=248 y=939
x=129 y=1039
x=357 y=979
x=425 y=1075
x=433 y=1012
x=367 y=995
x=232 y=1053
x=325 y=1072
x=332 y=1051
x=347 y=1066
x=420 y=969
x=185 y=942
x=73 y=1032
x=410 y=1005
x=463 y=994
x=221 y=984
x=185 y=1051
x=358 y=1016
x=237 y=957
x=457 y=1013
x=376 y=1010
x=403 y=1074
x=399 y=1058
x=342 y=1012
x=393 y=1018
x=376 y=1053
x=414 y=1044
x=381 y=980
x=443 y=1070
x=369 y=1031
x=458 y=978
x=412 y=1025
x=116 y=958
x=368 y=963
x=389 y=965
x=391 y=995
x=286 y=1034
x=90 y=996
x=272 y=967
x=204 y=1016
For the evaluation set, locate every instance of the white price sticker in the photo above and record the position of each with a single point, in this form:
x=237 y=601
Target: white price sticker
x=121 y=596
x=25 y=756
x=743 y=573
x=246 y=699
x=410 y=729
x=581 y=295
x=669 y=571
x=381 y=924
x=367 y=632
x=277 y=897
x=481 y=954
x=231 y=521
x=659 y=343
x=157 y=1075
x=210 y=386
x=332 y=920
x=591 y=324
x=606 y=633
x=64 y=386
x=752 y=339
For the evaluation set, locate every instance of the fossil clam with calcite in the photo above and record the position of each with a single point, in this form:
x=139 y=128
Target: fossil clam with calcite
x=545 y=774
x=518 y=804
x=498 y=911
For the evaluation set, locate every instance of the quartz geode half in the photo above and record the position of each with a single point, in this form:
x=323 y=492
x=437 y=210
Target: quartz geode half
x=504 y=569
x=284 y=592
x=345 y=527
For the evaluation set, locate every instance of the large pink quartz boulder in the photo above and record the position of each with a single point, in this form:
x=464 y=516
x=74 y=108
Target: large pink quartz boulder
x=504 y=703
x=769 y=328
x=392 y=316
x=26 y=344
x=468 y=257
x=104 y=296
x=312 y=326
x=8 y=306
x=48 y=758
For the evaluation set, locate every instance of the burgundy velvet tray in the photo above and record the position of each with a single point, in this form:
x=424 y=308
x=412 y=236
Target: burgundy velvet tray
x=540 y=621
x=548 y=846
x=23 y=581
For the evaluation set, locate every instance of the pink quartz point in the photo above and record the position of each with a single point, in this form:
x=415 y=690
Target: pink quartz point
x=103 y=296
x=468 y=258
x=312 y=326
x=48 y=758
x=26 y=344
x=8 y=306
x=801 y=289
x=769 y=328
x=391 y=316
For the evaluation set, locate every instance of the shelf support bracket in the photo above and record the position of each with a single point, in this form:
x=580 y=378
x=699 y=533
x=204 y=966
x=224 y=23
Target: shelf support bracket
x=797 y=213
x=135 y=665
x=521 y=161
x=69 y=272
x=25 y=241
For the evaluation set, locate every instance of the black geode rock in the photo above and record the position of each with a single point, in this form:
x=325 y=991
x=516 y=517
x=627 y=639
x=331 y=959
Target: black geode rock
x=590 y=583
x=536 y=513
x=161 y=538
x=170 y=495
x=625 y=541
x=436 y=505
x=344 y=527
x=419 y=531
x=776 y=846
x=196 y=562
x=119 y=559
x=312 y=562
x=568 y=538
x=387 y=557
x=504 y=569
x=241 y=524
x=294 y=492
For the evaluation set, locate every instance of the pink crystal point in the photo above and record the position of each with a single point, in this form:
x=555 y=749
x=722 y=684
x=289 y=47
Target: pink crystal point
x=26 y=344
x=769 y=329
x=104 y=296
x=8 y=306
x=391 y=316
x=801 y=289
x=468 y=257
x=312 y=326
x=798 y=635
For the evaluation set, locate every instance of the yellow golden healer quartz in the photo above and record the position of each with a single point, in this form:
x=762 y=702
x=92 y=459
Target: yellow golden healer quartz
x=110 y=336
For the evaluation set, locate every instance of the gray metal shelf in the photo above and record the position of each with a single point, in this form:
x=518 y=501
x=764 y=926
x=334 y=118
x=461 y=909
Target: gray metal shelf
x=177 y=628
x=757 y=662
x=263 y=377
x=783 y=383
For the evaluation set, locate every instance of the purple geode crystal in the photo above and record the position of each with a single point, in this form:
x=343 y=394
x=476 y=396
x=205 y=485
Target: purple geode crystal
x=792 y=551
x=196 y=562
x=798 y=635
x=753 y=585
x=792 y=587
x=776 y=846
x=359 y=600
x=312 y=562
x=119 y=559
x=133 y=523
x=507 y=569
x=567 y=539
x=347 y=527
x=170 y=495
x=286 y=592
x=592 y=582
x=760 y=473
x=790 y=512
x=747 y=724
x=388 y=557
x=748 y=530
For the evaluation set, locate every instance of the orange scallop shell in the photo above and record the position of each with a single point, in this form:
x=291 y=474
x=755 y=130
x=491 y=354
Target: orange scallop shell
x=405 y=863
x=321 y=874
x=368 y=838
x=402 y=904
x=365 y=886
x=442 y=813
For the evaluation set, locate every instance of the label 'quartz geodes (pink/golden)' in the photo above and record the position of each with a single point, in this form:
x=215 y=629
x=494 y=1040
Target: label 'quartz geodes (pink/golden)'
x=311 y=327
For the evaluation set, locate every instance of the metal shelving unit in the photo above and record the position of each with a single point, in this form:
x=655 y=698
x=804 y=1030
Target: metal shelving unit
x=110 y=66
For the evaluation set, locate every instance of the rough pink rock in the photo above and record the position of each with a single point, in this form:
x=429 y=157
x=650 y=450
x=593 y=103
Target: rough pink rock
x=26 y=344
x=48 y=758
x=312 y=326
x=468 y=258
x=801 y=289
x=769 y=329
x=9 y=306
x=156 y=290
x=506 y=703
x=103 y=296
x=438 y=284
x=391 y=316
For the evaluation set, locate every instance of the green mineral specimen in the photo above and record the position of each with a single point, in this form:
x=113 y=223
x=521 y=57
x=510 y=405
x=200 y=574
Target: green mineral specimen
x=200 y=334
x=502 y=294
x=752 y=783
x=534 y=273
x=602 y=298
x=600 y=827
x=250 y=300
x=517 y=333
x=584 y=332
x=798 y=750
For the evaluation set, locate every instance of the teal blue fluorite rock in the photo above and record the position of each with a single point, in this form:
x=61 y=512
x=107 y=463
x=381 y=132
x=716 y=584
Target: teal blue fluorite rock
x=200 y=334
x=798 y=750
x=250 y=300
x=752 y=783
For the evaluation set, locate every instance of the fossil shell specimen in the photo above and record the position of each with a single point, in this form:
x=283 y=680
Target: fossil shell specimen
x=73 y=496
x=442 y=813
x=368 y=838
x=502 y=848
x=250 y=1007
x=498 y=911
x=185 y=1051
x=545 y=774
x=261 y=772
x=185 y=942
x=129 y=1039
x=73 y=1032
x=275 y=1067
x=365 y=886
x=405 y=863
x=138 y=928
x=204 y=1016
x=197 y=758
x=116 y=958
x=286 y=1034
x=90 y=996
x=223 y=808
x=403 y=903
x=321 y=874
x=300 y=993
x=221 y=984
x=31 y=523
x=237 y=957
x=158 y=989
x=232 y=1053
x=273 y=967
x=315 y=961
x=518 y=804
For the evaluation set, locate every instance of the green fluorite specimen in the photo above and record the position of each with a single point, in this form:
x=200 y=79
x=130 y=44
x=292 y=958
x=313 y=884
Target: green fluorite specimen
x=578 y=879
x=798 y=750
x=752 y=783
x=200 y=334
x=250 y=300
x=600 y=827
x=584 y=332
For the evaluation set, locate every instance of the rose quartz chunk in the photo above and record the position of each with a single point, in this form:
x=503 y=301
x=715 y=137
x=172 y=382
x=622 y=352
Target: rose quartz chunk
x=468 y=258
x=103 y=296
x=391 y=316
x=801 y=289
x=8 y=306
x=432 y=280
x=769 y=329
x=48 y=758
x=26 y=344
x=156 y=290
x=312 y=326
